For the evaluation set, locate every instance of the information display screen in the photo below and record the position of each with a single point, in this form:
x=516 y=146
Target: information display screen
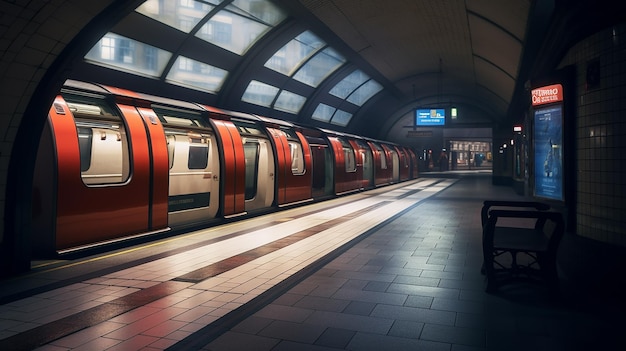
x=430 y=117
x=548 y=146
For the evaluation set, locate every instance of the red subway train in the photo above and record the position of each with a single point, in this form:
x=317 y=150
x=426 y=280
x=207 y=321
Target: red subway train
x=114 y=165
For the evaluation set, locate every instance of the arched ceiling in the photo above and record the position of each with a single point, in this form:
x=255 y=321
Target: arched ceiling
x=419 y=53
x=449 y=49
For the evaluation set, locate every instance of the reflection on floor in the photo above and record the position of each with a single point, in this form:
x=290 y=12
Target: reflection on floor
x=389 y=269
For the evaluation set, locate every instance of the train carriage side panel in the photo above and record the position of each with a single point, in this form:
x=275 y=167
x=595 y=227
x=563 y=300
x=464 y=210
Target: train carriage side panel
x=279 y=143
x=103 y=178
x=260 y=170
x=395 y=162
x=233 y=168
x=44 y=189
x=365 y=157
x=403 y=161
x=382 y=164
x=339 y=165
x=302 y=166
x=159 y=168
x=193 y=166
x=260 y=173
x=293 y=159
x=414 y=165
x=360 y=162
x=322 y=164
x=345 y=166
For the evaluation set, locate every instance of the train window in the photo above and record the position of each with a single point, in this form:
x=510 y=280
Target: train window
x=297 y=158
x=247 y=128
x=187 y=150
x=198 y=154
x=171 y=147
x=102 y=140
x=180 y=118
x=251 y=151
x=85 y=137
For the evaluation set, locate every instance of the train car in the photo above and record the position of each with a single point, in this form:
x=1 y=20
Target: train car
x=115 y=165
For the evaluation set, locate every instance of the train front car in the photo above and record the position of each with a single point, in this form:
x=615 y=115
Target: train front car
x=95 y=178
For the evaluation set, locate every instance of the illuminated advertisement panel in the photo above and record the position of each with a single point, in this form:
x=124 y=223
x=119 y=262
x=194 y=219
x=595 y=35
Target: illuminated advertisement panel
x=548 y=145
x=430 y=117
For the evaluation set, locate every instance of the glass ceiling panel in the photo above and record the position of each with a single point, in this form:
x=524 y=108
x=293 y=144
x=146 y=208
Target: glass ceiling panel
x=291 y=56
x=289 y=102
x=183 y=15
x=319 y=67
x=124 y=54
x=241 y=24
x=365 y=92
x=259 y=93
x=341 y=118
x=349 y=84
x=197 y=75
x=323 y=113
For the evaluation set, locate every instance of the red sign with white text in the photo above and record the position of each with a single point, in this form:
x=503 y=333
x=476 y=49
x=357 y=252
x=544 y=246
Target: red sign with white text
x=547 y=94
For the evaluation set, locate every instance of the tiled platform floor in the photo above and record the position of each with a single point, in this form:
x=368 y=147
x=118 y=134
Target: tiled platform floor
x=416 y=285
x=412 y=284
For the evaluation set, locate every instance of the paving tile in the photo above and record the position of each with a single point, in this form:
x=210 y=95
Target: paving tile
x=284 y=313
x=406 y=329
x=373 y=342
x=370 y=296
x=360 y=308
x=414 y=314
x=454 y=335
x=233 y=341
x=298 y=332
x=419 y=301
x=350 y=322
x=252 y=325
x=322 y=303
x=335 y=338
x=87 y=335
x=457 y=305
x=423 y=291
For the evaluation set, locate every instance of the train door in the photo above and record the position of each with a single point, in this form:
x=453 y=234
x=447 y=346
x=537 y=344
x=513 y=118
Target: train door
x=404 y=163
x=414 y=173
x=365 y=154
x=104 y=187
x=323 y=167
x=345 y=166
x=381 y=165
x=293 y=160
x=194 y=167
x=260 y=169
x=395 y=163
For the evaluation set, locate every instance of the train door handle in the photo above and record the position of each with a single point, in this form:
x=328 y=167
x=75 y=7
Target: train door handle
x=272 y=175
x=215 y=178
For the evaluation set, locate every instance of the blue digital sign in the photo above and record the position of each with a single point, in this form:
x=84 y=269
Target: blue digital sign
x=549 y=152
x=430 y=117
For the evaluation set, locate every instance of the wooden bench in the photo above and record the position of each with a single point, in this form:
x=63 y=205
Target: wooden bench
x=520 y=242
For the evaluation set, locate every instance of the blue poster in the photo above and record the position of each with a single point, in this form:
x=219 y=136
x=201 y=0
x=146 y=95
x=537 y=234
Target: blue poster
x=549 y=152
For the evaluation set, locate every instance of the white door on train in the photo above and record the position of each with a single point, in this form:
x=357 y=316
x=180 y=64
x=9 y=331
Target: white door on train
x=194 y=173
x=260 y=173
